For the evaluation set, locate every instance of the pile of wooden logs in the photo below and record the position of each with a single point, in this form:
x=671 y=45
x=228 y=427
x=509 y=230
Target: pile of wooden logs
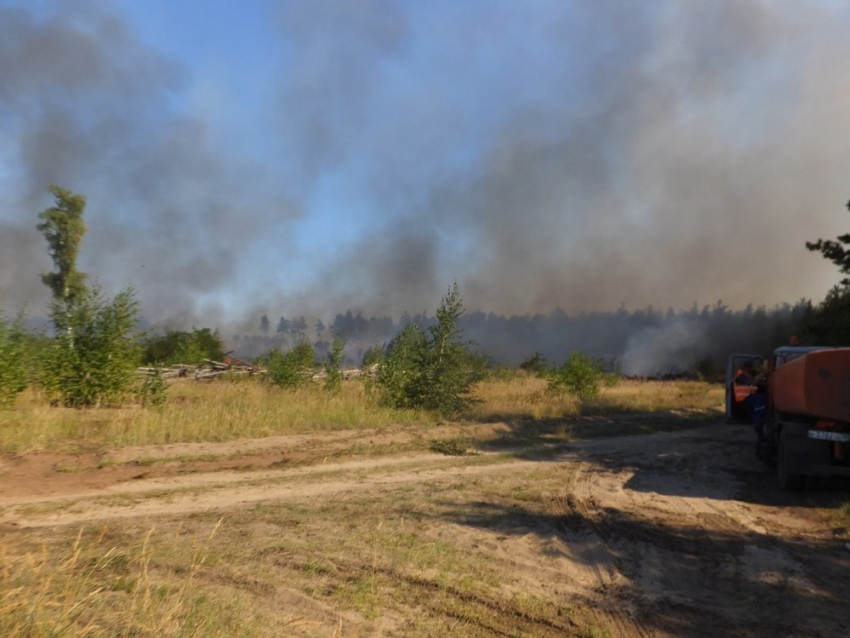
x=206 y=371
x=210 y=370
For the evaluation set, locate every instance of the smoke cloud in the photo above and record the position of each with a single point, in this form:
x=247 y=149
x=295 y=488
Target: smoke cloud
x=85 y=105
x=579 y=155
x=638 y=153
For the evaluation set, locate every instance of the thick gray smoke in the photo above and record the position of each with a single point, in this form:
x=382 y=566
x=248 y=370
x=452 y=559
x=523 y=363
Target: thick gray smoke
x=617 y=152
x=85 y=105
x=574 y=154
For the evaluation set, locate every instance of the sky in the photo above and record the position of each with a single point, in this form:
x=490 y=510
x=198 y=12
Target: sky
x=288 y=157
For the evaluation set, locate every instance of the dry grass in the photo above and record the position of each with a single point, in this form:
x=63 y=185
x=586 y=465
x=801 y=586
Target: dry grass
x=361 y=566
x=198 y=412
x=528 y=398
x=430 y=559
x=96 y=588
x=223 y=411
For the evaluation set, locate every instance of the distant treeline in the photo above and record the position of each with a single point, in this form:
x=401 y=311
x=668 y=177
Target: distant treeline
x=638 y=342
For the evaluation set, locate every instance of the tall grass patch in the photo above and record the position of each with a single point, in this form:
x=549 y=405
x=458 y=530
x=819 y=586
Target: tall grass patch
x=528 y=398
x=93 y=587
x=223 y=411
x=197 y=412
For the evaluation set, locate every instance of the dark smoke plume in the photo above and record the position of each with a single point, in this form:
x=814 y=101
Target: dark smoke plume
x=580 y=154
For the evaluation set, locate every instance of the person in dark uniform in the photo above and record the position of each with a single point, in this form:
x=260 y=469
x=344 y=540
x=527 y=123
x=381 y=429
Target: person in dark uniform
x=751 y=397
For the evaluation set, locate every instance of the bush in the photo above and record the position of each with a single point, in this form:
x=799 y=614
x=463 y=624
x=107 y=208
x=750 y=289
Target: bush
x=153 y=393
x=291 y=368
x=93 y=360
x=611 y=379
x=333 y=367
x=179 y=346
x=535 y=364
x=450 y=447
x=14 y=360
x=579 y=375
x=400 y=375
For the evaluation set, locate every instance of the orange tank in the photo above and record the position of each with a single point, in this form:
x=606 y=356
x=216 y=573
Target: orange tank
x=815 y=385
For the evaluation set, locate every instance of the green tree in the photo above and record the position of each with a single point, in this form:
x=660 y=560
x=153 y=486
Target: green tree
x=837 y=251
x=433 y=369
x=450 y=366
x=63 y=228
x=828 y=324
x=333 y=367
x=92 y=358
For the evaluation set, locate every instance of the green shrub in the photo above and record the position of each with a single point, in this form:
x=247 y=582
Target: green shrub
x=400 y=375
x=93 y=360
x=153 y=392
x=579 y=375
x=14 y=359
x=291 y=368
x=333 y=367
x=179 y=346
x=611 y=379
x=450 y=447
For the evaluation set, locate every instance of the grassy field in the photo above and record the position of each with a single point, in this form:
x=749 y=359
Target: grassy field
x=485 y=537
x=200 y=576
x=224 y=411
x=394 y=563
x=105 y=583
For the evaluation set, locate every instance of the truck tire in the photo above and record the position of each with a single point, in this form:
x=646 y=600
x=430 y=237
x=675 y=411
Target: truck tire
x=786 y=480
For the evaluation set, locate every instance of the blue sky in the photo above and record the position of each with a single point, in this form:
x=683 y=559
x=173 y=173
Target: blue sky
x=290 y=157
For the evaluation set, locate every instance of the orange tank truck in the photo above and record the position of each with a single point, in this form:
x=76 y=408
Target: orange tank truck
x=815 y=385
x=806 y=427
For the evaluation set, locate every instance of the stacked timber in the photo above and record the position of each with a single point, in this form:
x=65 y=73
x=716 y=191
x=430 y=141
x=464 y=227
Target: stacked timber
x=209 y=370
x=206 y=371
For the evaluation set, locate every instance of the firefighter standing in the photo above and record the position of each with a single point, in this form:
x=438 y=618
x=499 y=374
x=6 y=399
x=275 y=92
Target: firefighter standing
x=748 y=396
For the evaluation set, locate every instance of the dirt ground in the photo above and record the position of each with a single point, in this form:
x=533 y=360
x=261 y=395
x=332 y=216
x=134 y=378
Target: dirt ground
x=674 y=534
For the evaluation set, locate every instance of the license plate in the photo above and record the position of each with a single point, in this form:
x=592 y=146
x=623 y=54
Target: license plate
x=829 y=436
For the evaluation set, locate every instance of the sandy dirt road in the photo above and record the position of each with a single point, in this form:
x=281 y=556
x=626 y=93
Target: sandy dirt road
x=675 y=534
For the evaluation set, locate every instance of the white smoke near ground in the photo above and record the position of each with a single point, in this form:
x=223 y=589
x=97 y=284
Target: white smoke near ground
x=669 y=349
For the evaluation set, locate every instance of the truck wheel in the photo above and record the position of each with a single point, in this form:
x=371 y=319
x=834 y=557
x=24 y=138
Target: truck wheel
x=786 y=480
